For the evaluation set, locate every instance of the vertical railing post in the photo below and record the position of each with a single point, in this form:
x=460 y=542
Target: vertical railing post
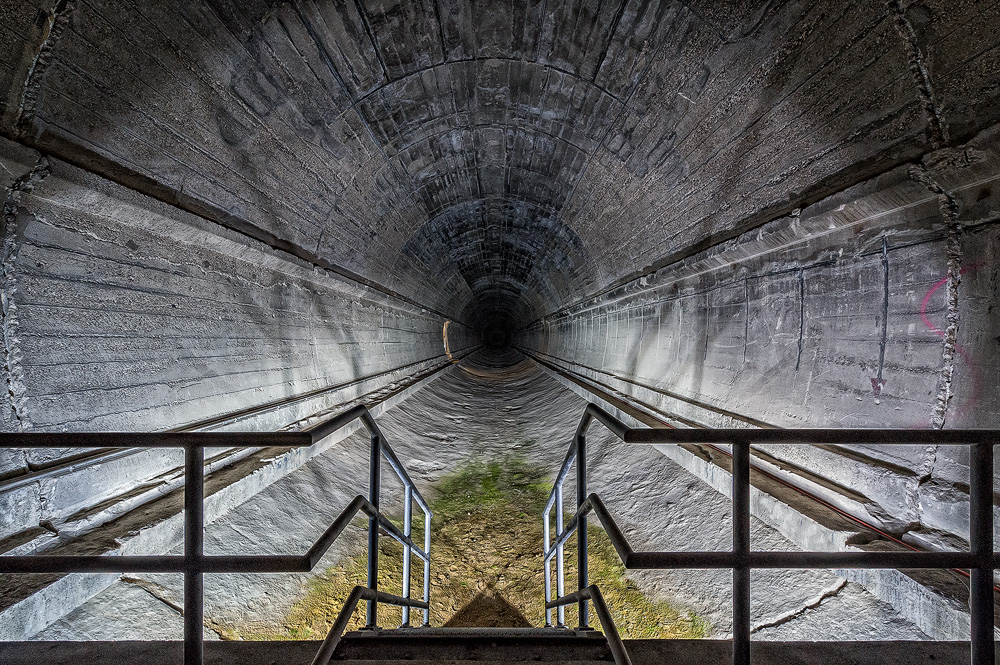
x=981 y=542
x=407 y=550
x=546 y=545
x=194 y=539
x=374 y=480
x=581 y=496
x=427 y=565
x=560 y=565
x=741 y=550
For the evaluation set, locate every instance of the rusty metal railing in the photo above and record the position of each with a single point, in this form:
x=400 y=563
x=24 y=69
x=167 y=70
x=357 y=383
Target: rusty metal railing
x=980 y=560
x=194 y=563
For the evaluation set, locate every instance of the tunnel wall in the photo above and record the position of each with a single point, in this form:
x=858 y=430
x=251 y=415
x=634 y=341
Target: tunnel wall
x=805 y=236
x=834 y=316
x=660 y=141
x=122 y=313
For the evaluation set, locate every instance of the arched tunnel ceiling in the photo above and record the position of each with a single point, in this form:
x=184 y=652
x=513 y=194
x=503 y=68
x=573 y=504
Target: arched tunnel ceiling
x=488 y=160
x=486 y=119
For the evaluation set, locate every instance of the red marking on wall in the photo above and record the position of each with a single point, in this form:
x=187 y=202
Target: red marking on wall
x=959 y=349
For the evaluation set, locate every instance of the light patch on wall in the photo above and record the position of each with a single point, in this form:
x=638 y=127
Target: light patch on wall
x=444 y=335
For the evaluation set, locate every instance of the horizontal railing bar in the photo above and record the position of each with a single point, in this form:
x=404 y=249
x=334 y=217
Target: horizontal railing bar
x=255 y=563
x=155 y=440
x=41 y=563
x=808 y=560
x=805 y=560
x=681 y=560
x=889 y=437
x=265 y=563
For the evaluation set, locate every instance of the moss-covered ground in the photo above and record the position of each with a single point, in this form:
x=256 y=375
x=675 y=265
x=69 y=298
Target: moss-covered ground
x=486 y=566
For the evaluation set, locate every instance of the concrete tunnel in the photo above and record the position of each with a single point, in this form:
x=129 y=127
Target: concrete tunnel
x=474 y=217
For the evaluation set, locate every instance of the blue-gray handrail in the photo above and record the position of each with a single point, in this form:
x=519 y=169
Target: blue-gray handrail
x=981 y=560
x=194 y=563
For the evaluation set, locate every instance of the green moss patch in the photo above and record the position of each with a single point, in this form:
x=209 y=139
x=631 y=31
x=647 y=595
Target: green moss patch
x=486 y=566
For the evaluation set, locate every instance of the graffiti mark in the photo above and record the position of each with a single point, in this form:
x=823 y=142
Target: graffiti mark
x=802 y=316
x=976 y=378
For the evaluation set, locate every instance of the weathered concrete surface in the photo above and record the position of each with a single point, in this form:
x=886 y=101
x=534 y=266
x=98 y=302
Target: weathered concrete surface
x=122 y=313
x=152 y=523
x=494 y=167
x=363 y=135
x=497 y=411
x=131 y=604
x=935 y=601
x=749 y=213
x=834 y=317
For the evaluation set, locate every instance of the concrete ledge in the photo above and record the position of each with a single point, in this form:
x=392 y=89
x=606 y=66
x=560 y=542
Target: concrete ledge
x=677 y=652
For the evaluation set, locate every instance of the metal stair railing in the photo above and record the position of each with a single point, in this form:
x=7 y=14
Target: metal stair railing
x=981 y=559
x=194 y=563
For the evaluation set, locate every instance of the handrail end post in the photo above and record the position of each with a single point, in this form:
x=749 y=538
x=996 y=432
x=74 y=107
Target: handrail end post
x=194 y=539
x=374 y=490
x=581 y=496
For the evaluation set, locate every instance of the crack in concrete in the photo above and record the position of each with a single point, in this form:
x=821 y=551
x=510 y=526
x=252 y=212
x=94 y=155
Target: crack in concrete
x=160 y=593
x=157 y=591
x=56 y=22
x=826 y=594
x=937 y=126
x=15 y=377
x=948 y=205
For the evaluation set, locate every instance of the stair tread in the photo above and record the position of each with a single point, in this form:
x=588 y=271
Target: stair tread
x=473 y=645
x=473 y=632
x=437 y=661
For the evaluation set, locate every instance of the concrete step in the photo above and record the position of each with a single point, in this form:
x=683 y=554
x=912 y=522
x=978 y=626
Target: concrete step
x=484 y=661
x=479 y=645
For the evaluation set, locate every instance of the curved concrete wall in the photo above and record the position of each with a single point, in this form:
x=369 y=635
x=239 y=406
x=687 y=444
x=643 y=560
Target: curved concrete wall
x=764 y=213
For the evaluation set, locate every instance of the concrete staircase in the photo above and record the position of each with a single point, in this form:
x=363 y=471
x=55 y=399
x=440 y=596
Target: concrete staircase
x=419 y=646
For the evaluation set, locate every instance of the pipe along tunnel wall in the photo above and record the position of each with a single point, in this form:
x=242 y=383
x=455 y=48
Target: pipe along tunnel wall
x=764 y=214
